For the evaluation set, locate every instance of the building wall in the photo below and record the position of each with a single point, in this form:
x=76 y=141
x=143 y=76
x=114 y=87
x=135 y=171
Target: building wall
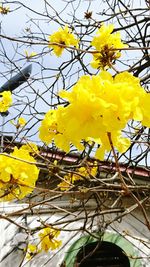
x=14 y=239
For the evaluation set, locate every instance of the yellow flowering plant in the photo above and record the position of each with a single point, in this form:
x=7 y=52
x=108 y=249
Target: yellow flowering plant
x=92 y=114
x=18 y=174
x=62 y=37
x=5 y=101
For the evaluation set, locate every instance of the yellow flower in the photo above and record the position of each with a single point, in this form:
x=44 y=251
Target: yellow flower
x=66 y=184
x=21 y=122
x=49 y=129
x=17 y=178
x=144 y=105
x=49 y=126
x=87 y=171
x=32 y=250
x=5 y=101
x=4 y=10
x=48 y=239
x=31 y=148
x=104 y=42
x=62 y=37
x=30 y=55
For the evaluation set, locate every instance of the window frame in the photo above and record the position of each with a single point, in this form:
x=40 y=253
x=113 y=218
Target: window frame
x=117 y=239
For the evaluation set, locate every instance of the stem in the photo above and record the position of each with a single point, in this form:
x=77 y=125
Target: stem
x=117 y=163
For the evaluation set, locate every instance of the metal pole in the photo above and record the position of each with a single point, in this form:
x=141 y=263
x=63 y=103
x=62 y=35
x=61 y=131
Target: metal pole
x=11 y=85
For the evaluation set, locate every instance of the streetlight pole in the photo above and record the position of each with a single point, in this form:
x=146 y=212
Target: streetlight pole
x=11 y=85
x=17 y=80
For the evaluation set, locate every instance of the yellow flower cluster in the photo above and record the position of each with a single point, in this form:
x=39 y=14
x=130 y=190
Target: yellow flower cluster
x=104 y=42
x=32 y=250
x=48 y=239
x=81 y=173
x=17 y=175
x=5 y=101
x=98 y=105
x=62 y=37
